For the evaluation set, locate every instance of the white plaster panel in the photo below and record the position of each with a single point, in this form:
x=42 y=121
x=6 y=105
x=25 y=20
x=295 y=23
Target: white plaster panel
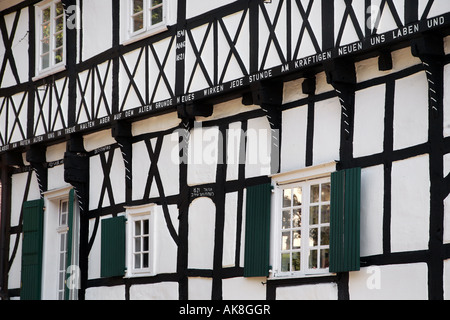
x=169 y=166
x=411 y=111
x=439 y=7
x=56 y=152
x=392 y=282
x=117 y=176
x=410 y=209
x=141 y=166
x=244 y=289
x=131 y=59
x=14 y=274
x=94 y=266
x=230 y=227
x=199 y=288
x=198 y=7
x=18 y=184
x=19 y=48
x=161 y=48
x=227 y=109
x=327 y=127
x=166 y=248
x=447 y=99
x=56 y=178
x=258 y=155
x=106 y=293
x=349 y=34
x=155 y=124
x=95 y=184
x=202 y=224
x=369 y=121
x=156 y=291
x=447 y=220
x=97 y=37
x=97 y=140
x=234 y=136
x=372 y=194
x=203 y=155
x=293 y=91
x=325 y=291
x=293 y=141
x=447 y=279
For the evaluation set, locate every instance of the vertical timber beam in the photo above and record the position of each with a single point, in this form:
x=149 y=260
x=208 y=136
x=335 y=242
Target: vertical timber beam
x=430 y=50
x=76 y=173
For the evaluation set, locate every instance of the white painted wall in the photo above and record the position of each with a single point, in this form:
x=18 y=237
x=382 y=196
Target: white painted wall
x=97 y=37
x=410 y=210
x=393 y=282
x=293 y=147
x=325 y=291
x=198 y=7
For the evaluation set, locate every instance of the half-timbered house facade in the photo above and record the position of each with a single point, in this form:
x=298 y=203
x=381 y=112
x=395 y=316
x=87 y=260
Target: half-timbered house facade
x=187 y=149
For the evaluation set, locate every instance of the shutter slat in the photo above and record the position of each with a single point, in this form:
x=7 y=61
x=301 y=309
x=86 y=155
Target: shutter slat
x=257 y=231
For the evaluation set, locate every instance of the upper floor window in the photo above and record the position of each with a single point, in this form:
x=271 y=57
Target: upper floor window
x=51 y=35
x=147 y=16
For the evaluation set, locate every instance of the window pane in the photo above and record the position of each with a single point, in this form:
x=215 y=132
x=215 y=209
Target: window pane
x=314 y=215
x=45 y=61
x=59 y=9
x=325 y=214
x=46 y=15
x=45 y=31
x=297 y=218
x=285 y=262
x=313 y=237
x=287 y=198
x=145 y=241
x=326 y=192
x=145 y=260
x=297 y=197
x=296 y=261
x=138 y=22
x=138 y=6
x=286 y=241
x=137 y=228
x=45 y=46
x=137 y=261
x=156 y=2
x=324 y=236
x=313 y=259
x=315 y=193
x=59 y=40
x=59 y=24
x=157 y=15
x=286 y=219
x=296 y=239
x=59 y=55
x=146 y=222
x=137 y=245
x=324 y=258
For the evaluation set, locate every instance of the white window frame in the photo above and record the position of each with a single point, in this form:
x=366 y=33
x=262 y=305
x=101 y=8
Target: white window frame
x=53 y=67
x=304 y=178
x=52 y=233
x=148 y=29
x=133 y=215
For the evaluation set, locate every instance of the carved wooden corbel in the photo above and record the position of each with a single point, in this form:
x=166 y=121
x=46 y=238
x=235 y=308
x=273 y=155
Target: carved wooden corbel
x=36 y=156
x=430 y=50
x=76 y=169
x=269 y=96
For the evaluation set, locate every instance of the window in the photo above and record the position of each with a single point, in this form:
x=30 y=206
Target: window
x=140 y=240
x=147 y=17
x=304 y=227
x=316 y=221
x=51 y=35
x=62 y=231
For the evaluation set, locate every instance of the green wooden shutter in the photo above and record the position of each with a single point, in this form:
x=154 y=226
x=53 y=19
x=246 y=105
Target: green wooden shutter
x=33 y=225
x=69 y=239
x=257 y=231
x=113 y=247
x=345 y=220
